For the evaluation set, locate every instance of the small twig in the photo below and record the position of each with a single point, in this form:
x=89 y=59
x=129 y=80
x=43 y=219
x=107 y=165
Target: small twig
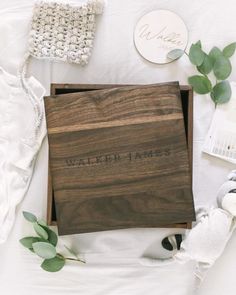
x=78 y=260
x=68 y=258
x=186 y=53
x=60 y=256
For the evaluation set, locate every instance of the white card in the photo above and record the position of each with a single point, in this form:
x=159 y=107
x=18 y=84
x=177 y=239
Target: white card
x=221 y=137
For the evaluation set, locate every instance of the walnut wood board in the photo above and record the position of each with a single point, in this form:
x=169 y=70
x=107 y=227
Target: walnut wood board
x=119 y=159
x=187 y=107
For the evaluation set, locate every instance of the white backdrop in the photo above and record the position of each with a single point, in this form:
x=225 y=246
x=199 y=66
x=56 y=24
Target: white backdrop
x=112 y=257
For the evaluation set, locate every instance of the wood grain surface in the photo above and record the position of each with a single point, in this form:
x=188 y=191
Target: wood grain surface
x=119 y=158
x=186 y=92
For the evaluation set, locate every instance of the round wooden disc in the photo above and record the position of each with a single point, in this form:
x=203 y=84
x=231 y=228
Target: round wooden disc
x=157 y=33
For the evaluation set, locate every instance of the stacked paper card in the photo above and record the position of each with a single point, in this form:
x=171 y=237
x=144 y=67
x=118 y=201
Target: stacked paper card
x=221 y=137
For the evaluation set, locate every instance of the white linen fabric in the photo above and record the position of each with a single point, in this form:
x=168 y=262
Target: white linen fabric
x=17 y=144
x=206 y=242
x=112 y=257
x=203 y=244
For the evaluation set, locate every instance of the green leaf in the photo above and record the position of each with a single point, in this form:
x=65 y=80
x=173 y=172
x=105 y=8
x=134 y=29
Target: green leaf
x=207 y=65
x=54 y=264
x=175 y=54
x=42 y=223
x=28 y=241
x=52 y=236
x=40 y=231
x=196 y=55
x=200 y=84
x=44 y=250
x=222 y=67
x=214 y=54
x=229 y=50
x=29 y=216
x=221 y=92
x=199 y=43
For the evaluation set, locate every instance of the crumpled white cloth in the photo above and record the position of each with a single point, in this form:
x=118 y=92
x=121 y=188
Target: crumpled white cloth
x=203 y=244
x=18 y=145
x=207 y=240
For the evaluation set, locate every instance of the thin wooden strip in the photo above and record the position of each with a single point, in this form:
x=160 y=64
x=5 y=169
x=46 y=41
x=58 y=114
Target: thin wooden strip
x=116 y=123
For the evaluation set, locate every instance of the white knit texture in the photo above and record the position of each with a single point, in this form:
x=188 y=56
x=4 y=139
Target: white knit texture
x=64 y=32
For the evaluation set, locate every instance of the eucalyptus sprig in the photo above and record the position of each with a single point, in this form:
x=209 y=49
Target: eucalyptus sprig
x=217 y=61
x=44 y=245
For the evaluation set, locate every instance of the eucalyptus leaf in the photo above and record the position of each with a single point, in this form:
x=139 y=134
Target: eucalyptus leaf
x=45 y=245
x=207 y=65
x=42 y=223
x=52 y=236
x=222 y=68
x=44 y=250
x=196 y=55
x=200 y=84
x=221 y=92
x=214 y=54
x=40 y=231
x=54 y=264
x=229 y=50
x=199 y=43
x=28 y=241
x=175 y=54
x=29 y=216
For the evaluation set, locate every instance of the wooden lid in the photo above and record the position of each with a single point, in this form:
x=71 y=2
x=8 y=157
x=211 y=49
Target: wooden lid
x=119 y=158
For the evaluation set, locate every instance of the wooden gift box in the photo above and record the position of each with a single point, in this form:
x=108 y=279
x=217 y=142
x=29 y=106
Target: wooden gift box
x=187 y=105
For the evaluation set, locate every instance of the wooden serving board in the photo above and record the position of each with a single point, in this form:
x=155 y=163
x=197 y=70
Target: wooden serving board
x=119 y=158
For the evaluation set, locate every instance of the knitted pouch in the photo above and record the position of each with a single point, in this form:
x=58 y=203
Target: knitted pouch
x=64 y=32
